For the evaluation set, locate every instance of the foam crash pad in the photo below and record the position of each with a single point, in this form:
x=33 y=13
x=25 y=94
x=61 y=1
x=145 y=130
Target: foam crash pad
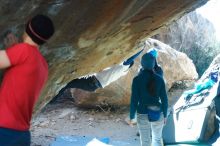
x=188 y=145
x=96 y=142
x=75 y=141
x=84 y=140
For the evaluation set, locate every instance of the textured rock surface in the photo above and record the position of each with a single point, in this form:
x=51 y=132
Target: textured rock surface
x=176 y=66
x=194 y=35
x=91 y=35
x=183 y=33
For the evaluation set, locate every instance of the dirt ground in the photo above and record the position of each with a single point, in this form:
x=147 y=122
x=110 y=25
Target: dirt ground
x=63 y=118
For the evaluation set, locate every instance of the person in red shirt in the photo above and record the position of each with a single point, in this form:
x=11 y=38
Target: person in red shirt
x=25 y=74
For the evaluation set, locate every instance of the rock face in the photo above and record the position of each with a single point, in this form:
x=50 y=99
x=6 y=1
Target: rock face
x=183 y=33
x=91 y=35
x=193 y=35
x=176 y=66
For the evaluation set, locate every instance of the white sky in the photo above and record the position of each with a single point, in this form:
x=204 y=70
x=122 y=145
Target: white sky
x=211 y=11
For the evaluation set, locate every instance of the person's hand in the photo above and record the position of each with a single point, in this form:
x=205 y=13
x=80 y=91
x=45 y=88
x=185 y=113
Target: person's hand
x=131 y=64
x=131 y=122
x=165 y=121
x=10 y=40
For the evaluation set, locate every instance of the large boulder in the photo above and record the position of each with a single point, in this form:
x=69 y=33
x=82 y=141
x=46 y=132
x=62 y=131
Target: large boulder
x=176 y=66
x=201 y=97
x=214 y=66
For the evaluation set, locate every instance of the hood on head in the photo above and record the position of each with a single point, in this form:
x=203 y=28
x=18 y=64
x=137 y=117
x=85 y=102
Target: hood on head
x=148 y=61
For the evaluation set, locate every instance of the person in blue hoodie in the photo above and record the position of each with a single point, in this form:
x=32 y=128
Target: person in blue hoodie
x=149 y=100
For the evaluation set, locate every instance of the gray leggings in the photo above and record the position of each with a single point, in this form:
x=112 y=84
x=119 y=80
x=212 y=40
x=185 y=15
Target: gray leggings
x=147 y=128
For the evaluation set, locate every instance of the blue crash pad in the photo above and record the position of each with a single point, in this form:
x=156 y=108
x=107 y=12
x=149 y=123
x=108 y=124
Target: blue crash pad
x=83 y=140
x=188 y=145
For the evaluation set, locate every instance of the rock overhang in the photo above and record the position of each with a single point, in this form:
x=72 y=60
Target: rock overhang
x=92 y=35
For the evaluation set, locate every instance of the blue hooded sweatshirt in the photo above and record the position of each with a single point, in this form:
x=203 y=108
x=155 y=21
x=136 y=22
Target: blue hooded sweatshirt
x=140 y=94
